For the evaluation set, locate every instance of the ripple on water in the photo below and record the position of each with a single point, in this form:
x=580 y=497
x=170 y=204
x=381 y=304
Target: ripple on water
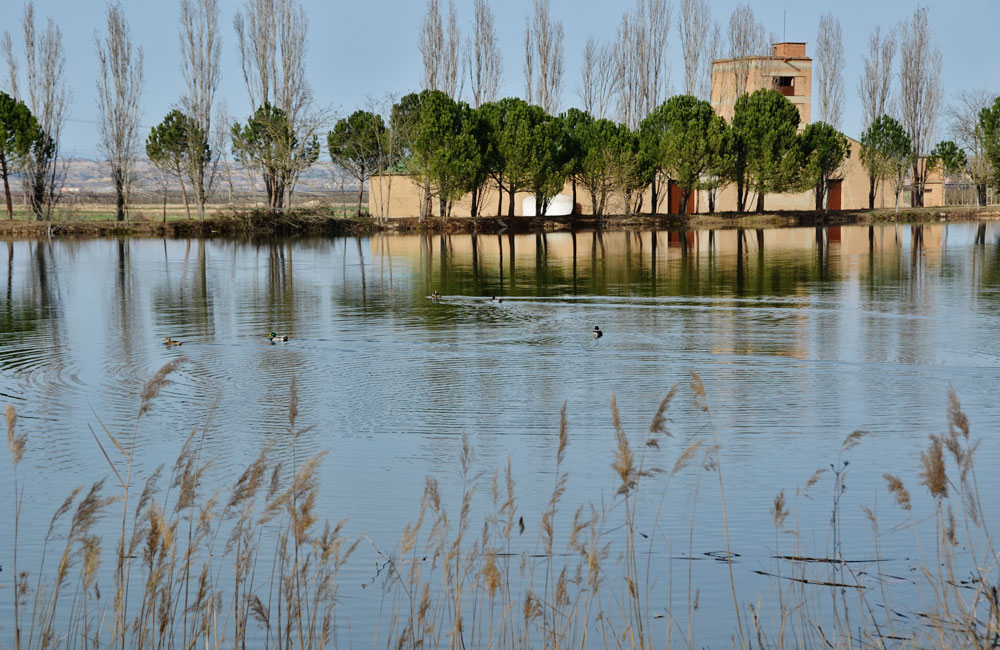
x=389 y=382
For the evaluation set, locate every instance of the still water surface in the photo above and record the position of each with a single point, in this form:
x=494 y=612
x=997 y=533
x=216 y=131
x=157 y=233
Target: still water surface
x=801 y=336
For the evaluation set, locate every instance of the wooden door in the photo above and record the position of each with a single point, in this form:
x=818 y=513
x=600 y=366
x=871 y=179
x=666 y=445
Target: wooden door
x=833 y=200
x=674 y=199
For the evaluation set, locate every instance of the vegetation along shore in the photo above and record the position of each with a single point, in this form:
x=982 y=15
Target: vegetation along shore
x=319 y=222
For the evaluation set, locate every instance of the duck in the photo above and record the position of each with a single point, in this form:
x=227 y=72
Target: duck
x=272 y=337
x=167 y=341
x=597 y=332
x=496 y=300
x=435 y=296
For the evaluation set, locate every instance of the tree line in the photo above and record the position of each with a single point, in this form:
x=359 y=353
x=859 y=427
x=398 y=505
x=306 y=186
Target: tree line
x=621 y=140
x=451 y=149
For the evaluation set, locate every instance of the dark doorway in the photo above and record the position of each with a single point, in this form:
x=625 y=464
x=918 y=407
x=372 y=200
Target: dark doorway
x=674 y=199
x=833 y=200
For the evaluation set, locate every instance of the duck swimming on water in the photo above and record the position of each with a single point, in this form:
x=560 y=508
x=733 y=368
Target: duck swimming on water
x=435 y=296
x=597 y=332
x=170 y=342
x=274 y=338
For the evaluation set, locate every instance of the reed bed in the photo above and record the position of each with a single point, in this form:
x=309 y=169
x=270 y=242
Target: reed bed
x=190 y=567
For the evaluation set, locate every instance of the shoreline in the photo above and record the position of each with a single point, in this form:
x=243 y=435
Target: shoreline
x=311 y=224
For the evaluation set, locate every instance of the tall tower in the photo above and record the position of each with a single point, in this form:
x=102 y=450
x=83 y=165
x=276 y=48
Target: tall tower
x=787 y=70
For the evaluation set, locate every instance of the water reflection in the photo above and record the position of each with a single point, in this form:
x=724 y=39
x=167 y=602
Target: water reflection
x=801 y=336
x=736 y=261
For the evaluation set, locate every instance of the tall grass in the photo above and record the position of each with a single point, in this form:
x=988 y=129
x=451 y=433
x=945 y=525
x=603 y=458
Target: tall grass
x=254 y=566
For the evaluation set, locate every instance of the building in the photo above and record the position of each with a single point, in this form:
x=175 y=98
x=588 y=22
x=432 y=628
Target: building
x=786 y=69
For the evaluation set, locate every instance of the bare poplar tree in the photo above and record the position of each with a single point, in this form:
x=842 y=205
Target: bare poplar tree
x=746 y=39
x=271 y=35
x=696 y=35
x=482 y=56
x=452 y=73
x=964 y=128
x=830 y=70
x=119 y=88
x=875 y=84
x=713 y=46
x=200 y=47
x=543 y=41
x=641 y=63
x=441 y=50
x=48 y=99
x=7 y=44
x=597 y=78
x=919 y=93
x=431 y=44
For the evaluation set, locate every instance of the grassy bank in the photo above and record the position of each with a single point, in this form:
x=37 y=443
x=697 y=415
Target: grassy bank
x=189 y=568
x=333 y=222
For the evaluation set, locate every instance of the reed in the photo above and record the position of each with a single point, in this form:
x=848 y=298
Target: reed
x=193 y=568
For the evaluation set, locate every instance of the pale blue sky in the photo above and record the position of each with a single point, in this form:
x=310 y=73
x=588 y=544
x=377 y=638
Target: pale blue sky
x=357 y=49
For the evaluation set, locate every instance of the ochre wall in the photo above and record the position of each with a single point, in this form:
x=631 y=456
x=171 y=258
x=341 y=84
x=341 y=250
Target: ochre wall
x=404 y=196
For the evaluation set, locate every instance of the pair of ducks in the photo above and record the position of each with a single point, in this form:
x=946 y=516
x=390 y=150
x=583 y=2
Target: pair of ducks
x=272 y=337
x=436 y=297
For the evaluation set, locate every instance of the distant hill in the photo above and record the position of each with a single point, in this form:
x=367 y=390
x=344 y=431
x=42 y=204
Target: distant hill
x=87 y=176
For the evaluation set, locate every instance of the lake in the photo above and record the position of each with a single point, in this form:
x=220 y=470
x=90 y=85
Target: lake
x=800 y=336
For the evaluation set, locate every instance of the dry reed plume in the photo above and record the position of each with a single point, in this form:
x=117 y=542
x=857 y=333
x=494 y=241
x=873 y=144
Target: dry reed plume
x=192 y=567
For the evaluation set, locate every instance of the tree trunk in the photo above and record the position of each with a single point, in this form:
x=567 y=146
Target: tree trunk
x=682 y=209
x=819 y=194
x=510 y=208
x=980 y=195
x=760 y=202
x=475 y=200
x=164 y=203
x=180 y=178
x=741 y=197
x=573 y=211
x=916 y=192
x=199 y=188
x=361 y=191
x=37 y=194
x=427 y=209
x=6 y=188
x=652 y=195
x=119 y=199
x=871 y=192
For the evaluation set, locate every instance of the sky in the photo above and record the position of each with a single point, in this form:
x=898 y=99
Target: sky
x=361 y=50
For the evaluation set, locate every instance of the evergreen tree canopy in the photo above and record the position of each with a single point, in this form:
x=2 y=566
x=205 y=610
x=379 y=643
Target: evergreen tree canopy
x=19 y=134
x=267 y=143
x=886 y=151
x=765 y=125
x=823 y=150
x=682 y=135
x=989 y=128
x=358 y=144
x=948 y=156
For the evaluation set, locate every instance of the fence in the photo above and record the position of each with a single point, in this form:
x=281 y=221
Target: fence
x=965 y=194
